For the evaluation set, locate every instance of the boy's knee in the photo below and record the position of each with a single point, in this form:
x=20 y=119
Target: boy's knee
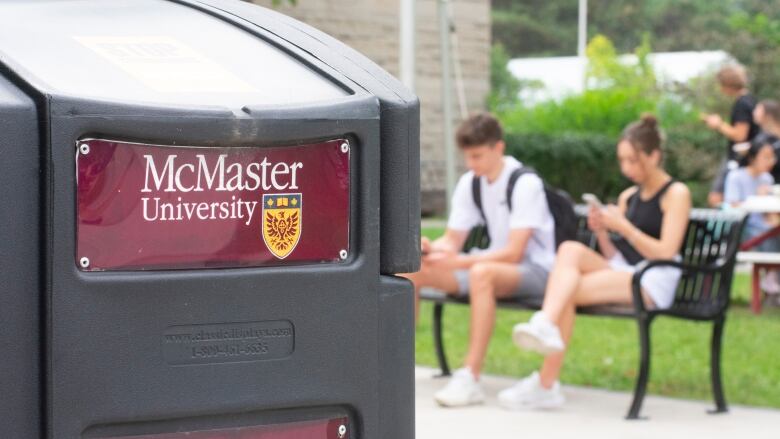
x=414 y=278
x=481 y=273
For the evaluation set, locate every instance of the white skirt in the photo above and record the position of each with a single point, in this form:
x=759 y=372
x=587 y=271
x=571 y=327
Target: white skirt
x=660 y=283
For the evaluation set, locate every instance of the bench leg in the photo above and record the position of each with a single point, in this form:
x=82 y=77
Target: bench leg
x=644 y=368
x=715 y=351
x=756 y=301
x=438 y=340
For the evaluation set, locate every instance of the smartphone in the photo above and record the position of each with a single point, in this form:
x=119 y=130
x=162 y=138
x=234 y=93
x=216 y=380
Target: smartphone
x=592 y=201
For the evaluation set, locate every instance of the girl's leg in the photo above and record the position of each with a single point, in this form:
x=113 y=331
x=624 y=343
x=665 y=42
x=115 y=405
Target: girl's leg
x=574 y=260
x=605 y=286
x=551 y=368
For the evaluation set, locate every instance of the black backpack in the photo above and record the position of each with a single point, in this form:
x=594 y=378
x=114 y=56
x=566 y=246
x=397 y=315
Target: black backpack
x=559 y=202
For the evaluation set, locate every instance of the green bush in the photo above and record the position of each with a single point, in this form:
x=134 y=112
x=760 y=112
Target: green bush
x=586 y=162
x=594 y=111
x=575 y=162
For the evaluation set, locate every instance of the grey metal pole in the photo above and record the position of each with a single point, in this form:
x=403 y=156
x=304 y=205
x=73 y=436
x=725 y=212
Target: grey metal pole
x=407 y=56
x=582 y=34
x=582 y=41
x=445 y=28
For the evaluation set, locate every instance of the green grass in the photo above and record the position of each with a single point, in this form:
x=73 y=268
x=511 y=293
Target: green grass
x=604 y=351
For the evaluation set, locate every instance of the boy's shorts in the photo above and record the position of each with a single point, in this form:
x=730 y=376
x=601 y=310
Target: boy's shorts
x=533 y=281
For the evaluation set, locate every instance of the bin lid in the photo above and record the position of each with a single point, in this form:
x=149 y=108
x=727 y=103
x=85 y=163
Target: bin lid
x=151 y=51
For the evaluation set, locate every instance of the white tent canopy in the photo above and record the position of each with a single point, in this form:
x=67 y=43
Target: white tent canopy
x=564 y=75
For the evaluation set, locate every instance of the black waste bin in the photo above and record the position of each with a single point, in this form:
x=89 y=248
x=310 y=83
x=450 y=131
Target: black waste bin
x=20 y=266
x=206 y=204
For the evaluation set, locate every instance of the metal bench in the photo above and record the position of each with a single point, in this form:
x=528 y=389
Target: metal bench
x=708 y=258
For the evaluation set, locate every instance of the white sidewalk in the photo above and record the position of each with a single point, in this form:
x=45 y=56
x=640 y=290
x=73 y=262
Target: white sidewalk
x=588 y=413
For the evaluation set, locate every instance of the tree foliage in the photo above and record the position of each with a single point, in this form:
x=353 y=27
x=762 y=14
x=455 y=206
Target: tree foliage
x=755 y=41
x=605 y=70
x=549 y=27
x=571 y=141
x=747 y=29
x=504 y=87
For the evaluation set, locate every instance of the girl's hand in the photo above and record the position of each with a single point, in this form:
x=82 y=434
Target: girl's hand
x=595 y=221
x=613 y=219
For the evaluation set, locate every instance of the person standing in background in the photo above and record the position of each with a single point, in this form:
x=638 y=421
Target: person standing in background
x=733 y=82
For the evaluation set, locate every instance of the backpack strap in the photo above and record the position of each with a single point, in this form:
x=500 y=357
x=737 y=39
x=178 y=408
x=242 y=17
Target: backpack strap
x=513 y=177
x=481 y=231
x=476 y=194
x=510 y=188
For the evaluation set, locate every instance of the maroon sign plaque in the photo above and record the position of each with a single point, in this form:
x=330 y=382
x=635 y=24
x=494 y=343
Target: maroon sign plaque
x=147 y=207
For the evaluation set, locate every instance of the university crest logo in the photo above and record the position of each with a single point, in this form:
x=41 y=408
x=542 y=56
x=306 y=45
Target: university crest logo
x=282 y=222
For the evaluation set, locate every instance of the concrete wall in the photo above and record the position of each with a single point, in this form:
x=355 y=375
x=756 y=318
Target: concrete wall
x=372 y=27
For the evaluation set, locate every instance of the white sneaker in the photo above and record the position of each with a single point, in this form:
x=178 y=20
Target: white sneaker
x=528 y=393
x=462 y=389
x=538 y=335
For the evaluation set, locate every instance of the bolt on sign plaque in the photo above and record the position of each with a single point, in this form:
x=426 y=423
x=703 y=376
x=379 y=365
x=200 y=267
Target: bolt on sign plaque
x=151 y=207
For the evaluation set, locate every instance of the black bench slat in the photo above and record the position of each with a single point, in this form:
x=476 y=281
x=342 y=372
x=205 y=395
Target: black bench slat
x=437 y=296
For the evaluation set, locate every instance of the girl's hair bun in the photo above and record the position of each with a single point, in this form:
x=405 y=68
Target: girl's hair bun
x=649 y=121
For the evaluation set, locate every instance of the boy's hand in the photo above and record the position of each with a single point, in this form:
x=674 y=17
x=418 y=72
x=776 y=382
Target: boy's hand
x=441 y=260
x=713 y=121
x=441 y=246
x=425 y=245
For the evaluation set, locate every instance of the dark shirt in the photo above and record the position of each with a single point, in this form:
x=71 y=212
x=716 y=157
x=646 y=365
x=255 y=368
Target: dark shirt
x=647 y=216
x=742 y=111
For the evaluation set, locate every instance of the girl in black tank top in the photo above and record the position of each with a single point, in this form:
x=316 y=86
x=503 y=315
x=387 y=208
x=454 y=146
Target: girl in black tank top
x=637 y=228
x=647 y=216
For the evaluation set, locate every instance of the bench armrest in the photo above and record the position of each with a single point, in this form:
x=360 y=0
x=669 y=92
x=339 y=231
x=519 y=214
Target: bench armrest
x=644 y=266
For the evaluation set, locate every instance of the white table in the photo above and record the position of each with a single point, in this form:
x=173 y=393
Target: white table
x=760 y=260
x=761 y=204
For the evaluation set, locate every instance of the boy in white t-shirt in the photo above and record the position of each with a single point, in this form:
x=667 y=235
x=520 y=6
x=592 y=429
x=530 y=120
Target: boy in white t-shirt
x=517 y=261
